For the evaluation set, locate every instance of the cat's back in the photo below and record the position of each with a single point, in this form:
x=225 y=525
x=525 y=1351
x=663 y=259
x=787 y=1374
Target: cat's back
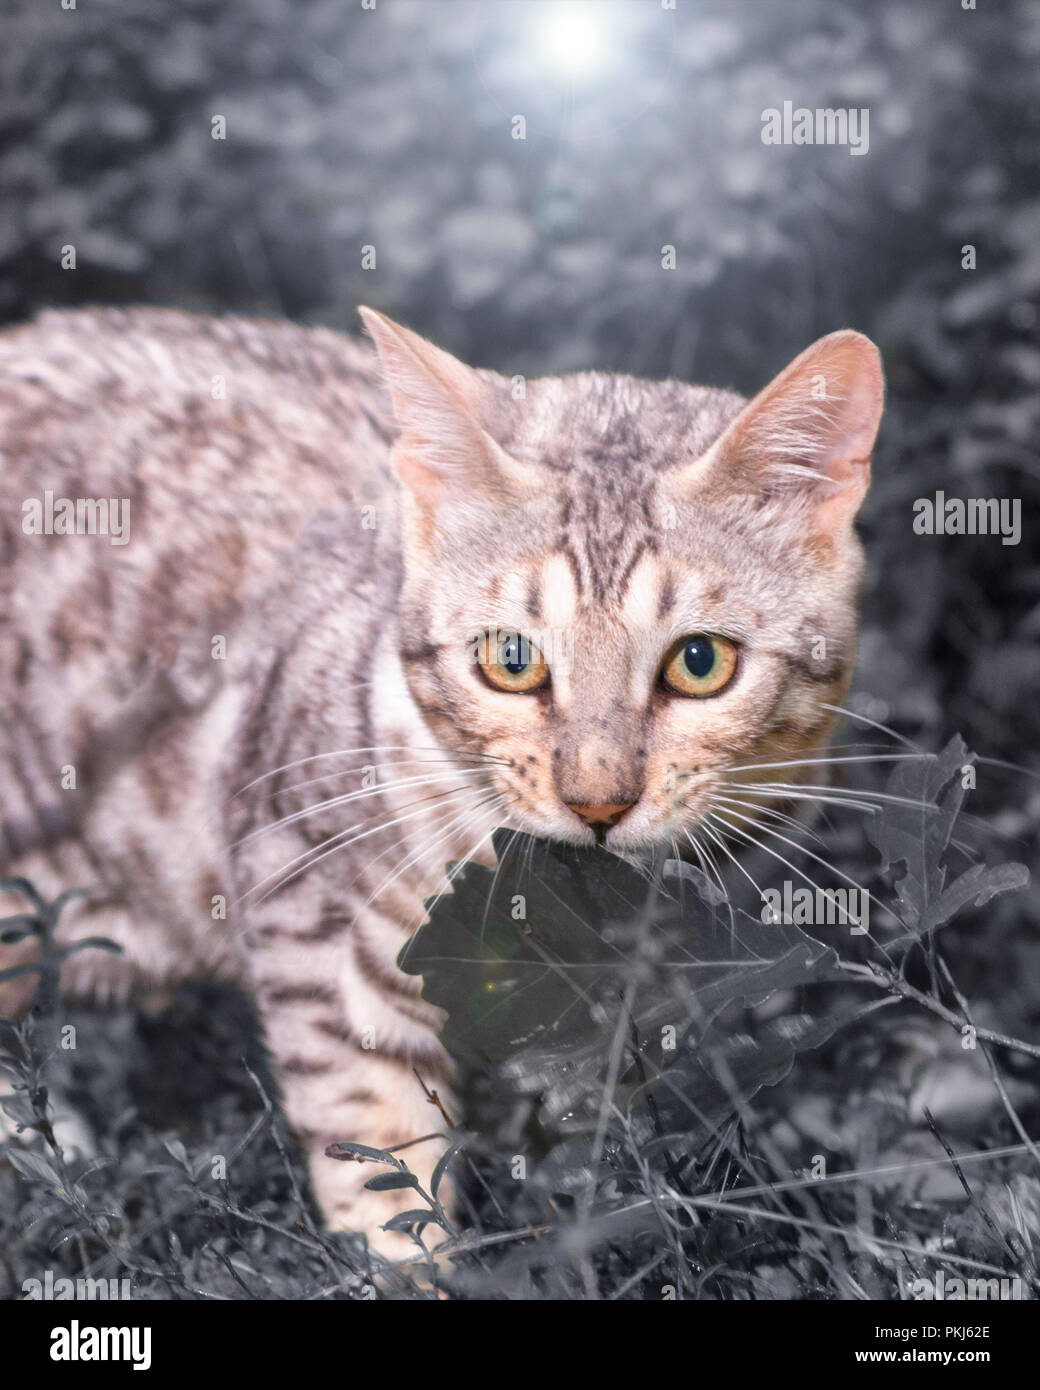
x=110 y=399
x=156 y=465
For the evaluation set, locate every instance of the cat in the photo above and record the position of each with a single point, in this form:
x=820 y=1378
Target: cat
x=368 y=606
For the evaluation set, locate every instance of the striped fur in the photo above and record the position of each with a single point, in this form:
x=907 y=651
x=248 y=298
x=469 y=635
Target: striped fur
x=345 y=525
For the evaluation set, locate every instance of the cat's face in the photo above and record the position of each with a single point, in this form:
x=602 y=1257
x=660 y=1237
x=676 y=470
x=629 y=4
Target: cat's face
x=630 y=595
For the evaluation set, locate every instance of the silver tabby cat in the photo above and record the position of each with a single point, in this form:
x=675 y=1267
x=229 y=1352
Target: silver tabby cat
x=286 y=625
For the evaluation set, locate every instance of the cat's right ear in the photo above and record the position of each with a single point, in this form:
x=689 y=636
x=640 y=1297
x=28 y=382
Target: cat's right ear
x=444 y=453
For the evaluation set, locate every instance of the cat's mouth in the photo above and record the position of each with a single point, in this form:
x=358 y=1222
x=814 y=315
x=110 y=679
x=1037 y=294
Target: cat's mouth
x=624 y=829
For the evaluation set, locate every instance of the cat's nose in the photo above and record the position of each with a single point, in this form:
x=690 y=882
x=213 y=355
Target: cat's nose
x=600 y=818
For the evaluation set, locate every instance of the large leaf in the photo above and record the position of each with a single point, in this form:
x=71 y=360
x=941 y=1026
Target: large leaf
x=918 y=837
x=567 y=964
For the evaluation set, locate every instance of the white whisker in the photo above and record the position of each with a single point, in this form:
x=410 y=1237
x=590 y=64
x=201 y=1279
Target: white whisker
x=454 y=873
x=363 y=767
x=718 y=840
x=750 y=839
x=781 y=816
x=706 y=858
x=349 y=831
x=827 y=762
x=851 y=714
x=372 y=748
x=362 y=795
x=457 y=823
x=790 y=788
x=769 y=830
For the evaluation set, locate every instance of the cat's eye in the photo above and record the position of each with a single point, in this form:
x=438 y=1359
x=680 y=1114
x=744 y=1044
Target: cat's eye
x=700 y=665
x=511 y=662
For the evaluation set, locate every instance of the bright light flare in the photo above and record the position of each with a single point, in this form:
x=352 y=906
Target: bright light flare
x=574 y=40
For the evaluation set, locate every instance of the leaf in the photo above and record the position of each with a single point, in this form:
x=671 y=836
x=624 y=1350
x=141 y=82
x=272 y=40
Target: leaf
x=177 y=1151
x=388 y=1182
x=918 y=836
x=34 y=1166
x=346 y=1150
x=405 y=1220
x=508 y=981
x=976 y=886
x=589 y=921
x=18 y=927
x=707 y=1084
x=541 y=965
x=442 y=1163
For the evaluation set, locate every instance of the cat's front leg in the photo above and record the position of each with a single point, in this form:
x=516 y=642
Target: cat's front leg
x=353 y=1046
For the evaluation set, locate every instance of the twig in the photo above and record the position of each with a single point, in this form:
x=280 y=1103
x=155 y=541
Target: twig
x=434 y=1099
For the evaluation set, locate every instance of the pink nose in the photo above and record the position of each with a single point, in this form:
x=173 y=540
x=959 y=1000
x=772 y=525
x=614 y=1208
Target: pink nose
x=600 y=816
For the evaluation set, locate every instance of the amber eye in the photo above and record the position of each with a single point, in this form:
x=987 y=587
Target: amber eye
x=510 y=661
x=700 y=665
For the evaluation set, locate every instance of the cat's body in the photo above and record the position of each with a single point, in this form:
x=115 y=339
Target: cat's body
x=282 y=597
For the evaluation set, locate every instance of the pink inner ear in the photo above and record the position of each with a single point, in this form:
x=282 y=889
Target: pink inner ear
x=813 y=424
x=423 y=482
x=853 y=374
x=853 y=479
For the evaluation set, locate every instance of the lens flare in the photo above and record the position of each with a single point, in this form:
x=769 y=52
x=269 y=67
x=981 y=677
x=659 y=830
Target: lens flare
x=573 y=39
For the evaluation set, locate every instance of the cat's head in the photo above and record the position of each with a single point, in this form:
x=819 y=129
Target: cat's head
x=632 y=592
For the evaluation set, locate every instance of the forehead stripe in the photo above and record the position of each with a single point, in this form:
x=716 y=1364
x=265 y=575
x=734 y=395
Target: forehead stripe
x=666 y=598
x=559 y=592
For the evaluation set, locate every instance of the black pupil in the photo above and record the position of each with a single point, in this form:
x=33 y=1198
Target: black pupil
x=514 y=657
x=699 y=655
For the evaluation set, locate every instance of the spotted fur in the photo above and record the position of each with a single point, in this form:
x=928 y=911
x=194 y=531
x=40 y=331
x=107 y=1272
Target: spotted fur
x=344 y=523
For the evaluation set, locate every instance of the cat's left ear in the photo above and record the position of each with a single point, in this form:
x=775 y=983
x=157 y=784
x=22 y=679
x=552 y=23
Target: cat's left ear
x=809 y=432
x=444 y=451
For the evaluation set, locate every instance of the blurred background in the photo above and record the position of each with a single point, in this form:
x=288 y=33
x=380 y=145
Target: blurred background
x=390 y=124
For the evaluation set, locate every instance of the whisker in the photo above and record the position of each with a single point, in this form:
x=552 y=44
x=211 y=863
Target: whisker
x=494 y=882
x=851 y=714
x=824 y=864
x=705 y=858
x=435 y=811
x=349 y=830
x=769 y=830
x=827 y=762
x=372 y=748
x=364 y=767
x=793 y=795
x=718 y=840
x=836 y=791
x=454 y=873
x=677 y=855
x=457 y=823
x=362 y=795
x=329 y=847
x=781 y=816
x=750 y=839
